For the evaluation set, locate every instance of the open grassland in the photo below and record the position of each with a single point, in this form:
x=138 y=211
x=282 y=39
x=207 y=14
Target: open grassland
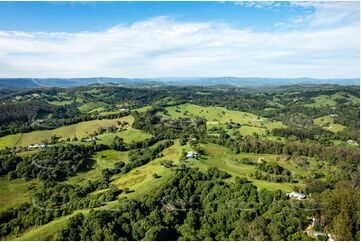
x=324 y=100
x=250 y=123
x=327 y=122
x=100 y=160
x=104 y=113
x=9 y=140
x=79 y=130
x=143 y=109
x=14 y=193
x=129 y=135
x=92 y=107
x=61 y=103
x=107 y=158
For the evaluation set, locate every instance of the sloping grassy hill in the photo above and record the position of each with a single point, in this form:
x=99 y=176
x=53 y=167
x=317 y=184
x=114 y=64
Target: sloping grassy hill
x=328 y=122
x=15 y=192
x=129 y=135
x=325 y=100
x=216 y=116
x=9 y=140
x=47 y=231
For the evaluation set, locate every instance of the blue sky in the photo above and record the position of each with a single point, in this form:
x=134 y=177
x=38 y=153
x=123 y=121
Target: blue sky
x=98 y=16
x=154 y=39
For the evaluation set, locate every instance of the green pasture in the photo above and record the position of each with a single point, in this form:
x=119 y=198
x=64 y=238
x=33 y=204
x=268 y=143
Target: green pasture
x=328 y=122
x=79 y=130
x=215 y=116
x=14 y=193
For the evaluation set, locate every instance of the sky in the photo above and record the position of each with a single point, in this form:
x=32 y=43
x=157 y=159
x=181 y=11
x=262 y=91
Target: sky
x=180 y=39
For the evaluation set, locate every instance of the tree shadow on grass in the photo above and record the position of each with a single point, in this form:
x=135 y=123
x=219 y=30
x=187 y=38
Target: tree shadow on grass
x=87 y=165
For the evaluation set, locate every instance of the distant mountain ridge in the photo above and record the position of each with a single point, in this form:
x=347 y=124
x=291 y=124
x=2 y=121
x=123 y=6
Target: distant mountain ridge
x=170 y=81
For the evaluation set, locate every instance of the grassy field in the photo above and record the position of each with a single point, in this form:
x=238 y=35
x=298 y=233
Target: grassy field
x=250 y=123
x=324 y=100
x=99 y=161
x=60 y=103
x=143 y=109
x=92 y=107
x=327 y=122
x=9 y=140
x=129 y=135
x=79 y=130
x=15 y=192
x=107 y=158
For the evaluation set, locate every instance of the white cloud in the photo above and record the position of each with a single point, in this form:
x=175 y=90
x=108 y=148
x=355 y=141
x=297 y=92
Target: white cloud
x=259 y=4
x=327 y=14
x=162 y=47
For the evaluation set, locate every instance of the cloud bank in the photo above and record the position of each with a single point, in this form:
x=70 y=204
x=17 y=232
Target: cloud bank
x=161 y=46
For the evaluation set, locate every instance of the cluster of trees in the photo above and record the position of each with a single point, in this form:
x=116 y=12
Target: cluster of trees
x=119 y=144
x=24 y=111
x=183 y=128
x=195 y=206
x=54 y=163
x=272 y=167
x=274 y=172
x=17 y=117
x=341 y=211
x=317 y=133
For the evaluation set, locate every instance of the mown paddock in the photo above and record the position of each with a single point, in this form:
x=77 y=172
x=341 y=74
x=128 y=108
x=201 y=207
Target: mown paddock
x=129 y=135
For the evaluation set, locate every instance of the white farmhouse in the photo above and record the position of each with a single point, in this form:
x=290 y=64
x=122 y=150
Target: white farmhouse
x=296 y=195
x=350 y=141
x=90 y=139
x=191 y=154
x=36 y=146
